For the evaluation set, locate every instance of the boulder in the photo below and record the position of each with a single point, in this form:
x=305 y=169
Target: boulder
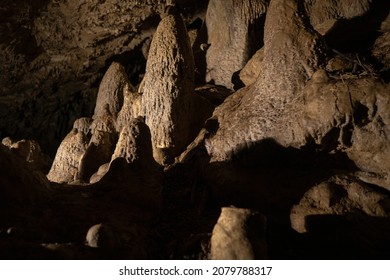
x=343 y=217
x=101 y=236
x=339 y=195
x=66 y=162
x=235 y=31
x=240 y=234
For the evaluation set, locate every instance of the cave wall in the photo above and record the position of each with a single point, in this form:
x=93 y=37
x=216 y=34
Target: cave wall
x=54 y=54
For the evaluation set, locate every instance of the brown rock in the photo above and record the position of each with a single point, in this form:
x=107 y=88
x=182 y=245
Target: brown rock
x=251 y=70
x=66 y=162
x=111 y=91
x=131 y=109
x=234 y=34
x=100 y=147
x=381 y=49
x=31 y=152
x=168 y=89
x=292 y=53
x=101 y=236
x=324 y=14
x=340 y=195
x=133 y=176
x=83 y=125
x=134 y=143
x=239 y=235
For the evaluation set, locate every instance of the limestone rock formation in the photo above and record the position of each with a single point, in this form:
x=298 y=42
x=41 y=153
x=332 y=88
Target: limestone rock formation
x=325 y=14
x=30 y=151
x=292 y=53
x=168 y=89
x=347 y=119
x=66 y=162
x=131 y=109
x=239 y=235
x=380 y=49
x=305 y=142
x=112 y=91
x=345 y=214
x=251 y=70
x=54 y=53
x=100 y=147
x=234 y=33
x=133 y=174
x=83 y=125
x=133 y=143
x=109 y=104
x=340 y=195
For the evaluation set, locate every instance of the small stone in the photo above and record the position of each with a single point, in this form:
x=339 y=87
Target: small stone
x=101 y=236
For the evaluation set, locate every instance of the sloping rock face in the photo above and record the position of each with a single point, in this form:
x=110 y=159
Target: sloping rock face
x=232 y=42
x=263 y=103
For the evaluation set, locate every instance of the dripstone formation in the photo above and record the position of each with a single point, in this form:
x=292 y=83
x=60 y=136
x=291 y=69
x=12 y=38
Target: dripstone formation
x=220 y=130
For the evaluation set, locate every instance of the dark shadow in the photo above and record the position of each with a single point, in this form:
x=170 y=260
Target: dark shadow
x=272 y=179
x=134 y=63
x=268 y=170
x=359 y=33
x=352 y=236
x=236 y=81
x=200 y=55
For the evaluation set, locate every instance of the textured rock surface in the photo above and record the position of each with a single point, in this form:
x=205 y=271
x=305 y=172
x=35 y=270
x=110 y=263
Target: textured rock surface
x=101 y=236
x=251 y=70
x=232 y=42
x=134 y=143
x=292 y=53
x=111 y=91
x=339 y=196
x=66 y=162
x=168 y=89
x=239 y=235
x=324 y=14
x=70 y=45
x=306 y=142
